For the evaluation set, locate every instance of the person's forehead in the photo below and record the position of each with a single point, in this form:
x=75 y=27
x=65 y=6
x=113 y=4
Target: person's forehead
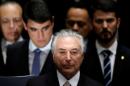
x=68 y=41
x=10 y=10
x=77 y=12
x=11 y=6
x=102 y=14
x=33 y=22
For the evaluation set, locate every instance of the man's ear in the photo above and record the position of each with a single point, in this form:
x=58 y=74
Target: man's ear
x=118 y=22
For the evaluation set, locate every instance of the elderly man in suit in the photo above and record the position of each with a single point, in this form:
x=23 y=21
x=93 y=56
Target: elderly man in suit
x=33 y=57
x=11 y=27
x=68 y=54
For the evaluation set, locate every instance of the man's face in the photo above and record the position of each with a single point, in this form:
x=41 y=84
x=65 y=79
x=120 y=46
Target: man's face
x=40 y=33
x=105 y=25
x=78 y=20
x=11 y=21
x=68 y=55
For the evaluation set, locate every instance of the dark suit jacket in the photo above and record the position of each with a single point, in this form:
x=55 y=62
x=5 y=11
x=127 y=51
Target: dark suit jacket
x=18 y=60
x=92 y=68
x=52 y=80
x=2 y=65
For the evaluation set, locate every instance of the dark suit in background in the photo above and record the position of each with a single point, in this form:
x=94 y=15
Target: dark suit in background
x=91 y=65
x=18 y=60
x=2 y=65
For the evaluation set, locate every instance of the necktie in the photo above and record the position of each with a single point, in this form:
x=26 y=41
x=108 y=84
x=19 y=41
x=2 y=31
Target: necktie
x=67 y=84
x=36 y=63
x=107 y=68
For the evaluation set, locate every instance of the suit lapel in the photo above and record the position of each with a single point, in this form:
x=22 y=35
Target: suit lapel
x=26 y=56
x=48 y=66
x=94 y=64
x=53 y=79
x=121 y=63
x=23 y=58
x=1 y=56
x=2 y=65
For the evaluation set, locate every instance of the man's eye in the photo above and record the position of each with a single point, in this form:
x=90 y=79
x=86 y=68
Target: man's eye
x=70 y=22
x=17 y=20
x=33 y=29
x=62 y=52
x=109 y=20
x=4 y=21
x=99 y=21
x=81 y=24
x=45 y=28
x=74 y=52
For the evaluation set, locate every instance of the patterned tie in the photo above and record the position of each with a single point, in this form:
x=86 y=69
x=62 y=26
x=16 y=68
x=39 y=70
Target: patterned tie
x=67 y=84
x=107 y=67
x=36 y=62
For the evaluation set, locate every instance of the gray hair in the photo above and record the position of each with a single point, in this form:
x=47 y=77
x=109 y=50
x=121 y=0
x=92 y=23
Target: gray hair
x=68 y=33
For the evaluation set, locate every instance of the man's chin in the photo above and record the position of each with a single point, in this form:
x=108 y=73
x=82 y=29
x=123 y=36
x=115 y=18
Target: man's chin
x=104 y=39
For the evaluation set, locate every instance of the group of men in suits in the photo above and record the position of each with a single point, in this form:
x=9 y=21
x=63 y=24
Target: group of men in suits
x=65 y=59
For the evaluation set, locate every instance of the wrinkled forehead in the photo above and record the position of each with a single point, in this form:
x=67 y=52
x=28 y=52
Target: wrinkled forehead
x=68 y=42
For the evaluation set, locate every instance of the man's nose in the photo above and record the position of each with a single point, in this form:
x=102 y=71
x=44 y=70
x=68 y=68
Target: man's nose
x=75 y=27
x=40 y=34
x=68 y=57
x=105 y=24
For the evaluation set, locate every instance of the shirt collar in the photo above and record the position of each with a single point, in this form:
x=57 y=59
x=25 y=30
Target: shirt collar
x=6 y=43
x=111 y=48
x=32 y=46
x=73 y=81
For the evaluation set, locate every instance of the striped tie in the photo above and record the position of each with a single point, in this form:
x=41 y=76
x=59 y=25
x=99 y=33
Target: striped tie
x=107 y=67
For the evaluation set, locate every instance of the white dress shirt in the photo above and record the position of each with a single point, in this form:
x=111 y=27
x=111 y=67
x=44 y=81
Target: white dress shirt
x=45 y=51
x=113 y=49
x=73 y=81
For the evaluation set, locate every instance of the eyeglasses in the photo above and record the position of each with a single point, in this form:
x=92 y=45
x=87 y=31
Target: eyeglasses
x=71 y=23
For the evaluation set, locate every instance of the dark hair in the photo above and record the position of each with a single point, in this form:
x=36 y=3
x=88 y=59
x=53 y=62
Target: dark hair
x=106 y=6
x=36 y=10
x=77 y=5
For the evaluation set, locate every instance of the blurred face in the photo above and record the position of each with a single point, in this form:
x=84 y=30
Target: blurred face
x=40 y=33
x=11 y=21
x=78 y=20
x=68 y=56
x=105 y=25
